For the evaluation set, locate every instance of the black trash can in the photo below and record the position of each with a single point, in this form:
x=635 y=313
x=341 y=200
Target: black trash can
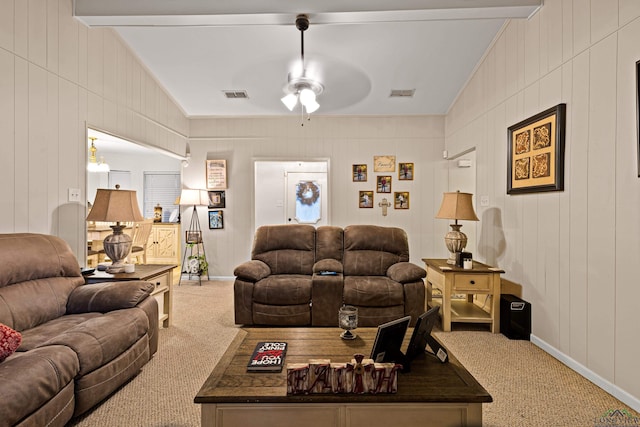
x=515 y=317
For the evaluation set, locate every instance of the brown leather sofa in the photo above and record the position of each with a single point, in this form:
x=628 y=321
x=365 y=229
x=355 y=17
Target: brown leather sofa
x=79 y=342
x=284 y=283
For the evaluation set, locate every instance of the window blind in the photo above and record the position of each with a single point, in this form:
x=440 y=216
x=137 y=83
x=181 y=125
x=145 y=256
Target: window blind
x=162 y=188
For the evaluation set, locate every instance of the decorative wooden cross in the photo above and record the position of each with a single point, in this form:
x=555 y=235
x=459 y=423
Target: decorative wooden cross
x=384 y=204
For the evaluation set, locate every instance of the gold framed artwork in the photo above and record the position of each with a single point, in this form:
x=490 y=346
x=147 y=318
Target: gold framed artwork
x=365 y=199
x=405 y=171
x=401 y=200
x=383 y=184
x=384 y=163
x=536 y=153
x=359 y=173
x=216 y=174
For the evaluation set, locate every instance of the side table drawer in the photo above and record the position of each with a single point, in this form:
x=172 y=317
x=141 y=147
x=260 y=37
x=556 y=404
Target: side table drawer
x=161 y=283
x=471 y=282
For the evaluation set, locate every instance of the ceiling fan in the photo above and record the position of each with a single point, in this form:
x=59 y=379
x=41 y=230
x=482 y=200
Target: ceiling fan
x=302 y=88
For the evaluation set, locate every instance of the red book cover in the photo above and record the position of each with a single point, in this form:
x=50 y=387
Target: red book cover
x=267 y=357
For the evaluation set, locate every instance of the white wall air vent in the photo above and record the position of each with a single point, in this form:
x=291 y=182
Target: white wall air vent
x=235 y=94
x=402 y=93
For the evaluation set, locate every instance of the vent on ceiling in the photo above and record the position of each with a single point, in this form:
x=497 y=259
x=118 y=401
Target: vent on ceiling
x=236 y=94
x=402 y=93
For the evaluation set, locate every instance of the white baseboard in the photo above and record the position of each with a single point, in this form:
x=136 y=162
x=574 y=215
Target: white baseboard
x=612 y=389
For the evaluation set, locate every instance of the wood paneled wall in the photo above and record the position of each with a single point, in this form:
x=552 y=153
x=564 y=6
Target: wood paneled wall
x=56 y=77
x=344 y=141
x=575 y=252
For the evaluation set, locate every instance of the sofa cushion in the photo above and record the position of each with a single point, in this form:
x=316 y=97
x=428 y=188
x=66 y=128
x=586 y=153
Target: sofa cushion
x=372 y=291
x=9 y=341
x=288 y=249
x=30 y=380
x=252 y=270
x=285 y=289
x=329 y=242
x=369 y=250
x=288 y=315
x=101 y=339
x=406 y=272
x=38 y=336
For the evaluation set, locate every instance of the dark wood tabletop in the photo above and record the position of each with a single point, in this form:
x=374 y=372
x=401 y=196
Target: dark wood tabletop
x=428 y=381
x=143 y=272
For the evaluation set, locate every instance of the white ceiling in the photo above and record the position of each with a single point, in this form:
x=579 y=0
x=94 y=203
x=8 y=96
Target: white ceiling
x=360 y=50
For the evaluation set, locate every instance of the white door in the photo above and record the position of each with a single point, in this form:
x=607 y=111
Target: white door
x=306 y=198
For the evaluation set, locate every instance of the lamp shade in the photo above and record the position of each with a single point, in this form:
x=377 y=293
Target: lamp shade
x=193 y=197
x=115 y=206
x=457 y=206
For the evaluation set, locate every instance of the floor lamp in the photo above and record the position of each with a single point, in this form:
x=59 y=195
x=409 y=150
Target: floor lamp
x=193 y=235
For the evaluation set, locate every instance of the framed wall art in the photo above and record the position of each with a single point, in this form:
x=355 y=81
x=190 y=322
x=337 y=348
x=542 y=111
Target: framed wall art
x=216 y=174
x=401 y=200
x=383 y=184
x=384 y=163
x=215 y=220
x=365 y=199
x=405 y=171
x=359 y=173
x=217 y=199
x=536 y=153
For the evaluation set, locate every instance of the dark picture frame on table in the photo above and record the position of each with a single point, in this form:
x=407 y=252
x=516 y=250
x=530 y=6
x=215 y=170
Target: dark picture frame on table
x=193 y=237
x=216 y=220
x=638 y=112
x=535 y=152
x=217 y=199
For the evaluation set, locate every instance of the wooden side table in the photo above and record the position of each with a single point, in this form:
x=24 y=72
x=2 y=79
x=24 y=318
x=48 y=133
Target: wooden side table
x=450 y=280
x=160 y=275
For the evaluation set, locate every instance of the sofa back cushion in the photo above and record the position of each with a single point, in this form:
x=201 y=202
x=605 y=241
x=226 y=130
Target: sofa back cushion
x=286 y=249
x=369 y=250
x=329 y=242
x=38 y=273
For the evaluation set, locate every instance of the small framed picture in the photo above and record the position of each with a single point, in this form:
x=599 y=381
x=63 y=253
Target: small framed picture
x=216 y=199
x=365 y=200
x=359 y=173
x=401 y=200
x=215 y=220
x=193 y=236
x=405 y=171
x=384 y=184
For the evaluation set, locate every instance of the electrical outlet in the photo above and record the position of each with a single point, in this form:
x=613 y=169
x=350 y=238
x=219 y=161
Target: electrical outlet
x=484 y=201
x=74 y=195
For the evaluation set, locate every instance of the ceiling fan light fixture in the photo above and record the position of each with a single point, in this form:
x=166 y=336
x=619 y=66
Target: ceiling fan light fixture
x=290 y=101
x=311 y=106
x=307 y=96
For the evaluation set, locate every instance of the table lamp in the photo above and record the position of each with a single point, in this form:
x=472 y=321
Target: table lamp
x=456 y=206
x=116 y=206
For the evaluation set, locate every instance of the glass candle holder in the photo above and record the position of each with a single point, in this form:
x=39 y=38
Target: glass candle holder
x=348 y=320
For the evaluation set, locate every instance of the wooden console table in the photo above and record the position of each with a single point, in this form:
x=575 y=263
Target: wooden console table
x=433 y=393
x=450 y=280
x=160 y=275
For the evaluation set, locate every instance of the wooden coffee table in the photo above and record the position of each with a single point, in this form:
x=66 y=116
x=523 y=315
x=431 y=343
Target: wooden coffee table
x=434 y=393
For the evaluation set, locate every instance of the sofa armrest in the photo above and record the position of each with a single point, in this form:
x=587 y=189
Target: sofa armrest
x=252 y=271
x=406 y=272
x=108 y=296
x=328 y=264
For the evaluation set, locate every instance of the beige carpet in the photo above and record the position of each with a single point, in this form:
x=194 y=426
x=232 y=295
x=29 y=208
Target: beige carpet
x=529 y=387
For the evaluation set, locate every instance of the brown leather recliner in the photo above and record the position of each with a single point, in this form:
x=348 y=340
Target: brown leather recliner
x=285 y=282
x=79 y=342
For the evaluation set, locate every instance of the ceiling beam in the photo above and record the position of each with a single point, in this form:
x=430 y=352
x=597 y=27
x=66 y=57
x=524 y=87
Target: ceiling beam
x=280 y=12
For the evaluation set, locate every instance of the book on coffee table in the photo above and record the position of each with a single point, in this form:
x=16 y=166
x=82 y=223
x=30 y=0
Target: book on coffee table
x=267 y=357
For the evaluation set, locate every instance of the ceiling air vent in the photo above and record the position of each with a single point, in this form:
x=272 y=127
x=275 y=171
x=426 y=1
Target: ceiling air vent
x=236 y=94
x=402 y=93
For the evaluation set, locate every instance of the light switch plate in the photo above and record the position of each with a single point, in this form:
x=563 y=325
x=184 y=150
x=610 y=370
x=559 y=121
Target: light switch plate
x=74 y=195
